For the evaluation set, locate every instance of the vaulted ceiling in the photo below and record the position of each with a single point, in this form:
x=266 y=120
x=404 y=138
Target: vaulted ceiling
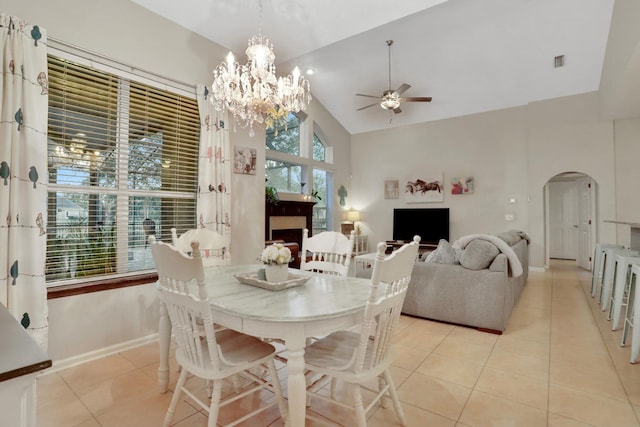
x=470 y=56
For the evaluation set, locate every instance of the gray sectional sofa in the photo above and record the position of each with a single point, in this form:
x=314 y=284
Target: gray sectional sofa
x=460 y=291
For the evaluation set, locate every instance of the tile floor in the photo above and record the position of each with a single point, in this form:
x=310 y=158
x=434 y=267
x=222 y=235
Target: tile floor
x=558 y=364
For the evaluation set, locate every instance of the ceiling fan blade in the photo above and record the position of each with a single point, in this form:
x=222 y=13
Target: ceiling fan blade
x=403 y=87
x=367 y=106
x=368 y=96
x=397 y=110
x=416 y=99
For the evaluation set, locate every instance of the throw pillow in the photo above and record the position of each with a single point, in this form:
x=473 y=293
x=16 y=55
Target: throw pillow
x=478 y=254
x=499 y=263
x=444 y=254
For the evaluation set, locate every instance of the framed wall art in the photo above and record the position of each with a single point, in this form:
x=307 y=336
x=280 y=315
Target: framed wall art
x=462 y=185
x=425 y=189
x=244 y=160
x=391 y=189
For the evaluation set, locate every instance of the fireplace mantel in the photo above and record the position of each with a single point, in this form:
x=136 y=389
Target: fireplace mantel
x=288 y=208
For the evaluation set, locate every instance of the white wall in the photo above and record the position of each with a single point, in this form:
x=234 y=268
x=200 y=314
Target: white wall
x=488 y=147
x=121 y=30
x=510 y=153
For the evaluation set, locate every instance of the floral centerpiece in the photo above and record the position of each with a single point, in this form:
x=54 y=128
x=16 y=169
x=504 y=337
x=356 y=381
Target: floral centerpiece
x=276 y=259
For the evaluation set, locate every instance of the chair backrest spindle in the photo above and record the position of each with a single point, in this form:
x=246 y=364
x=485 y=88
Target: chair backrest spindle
x=329 y=252
x=389 y=281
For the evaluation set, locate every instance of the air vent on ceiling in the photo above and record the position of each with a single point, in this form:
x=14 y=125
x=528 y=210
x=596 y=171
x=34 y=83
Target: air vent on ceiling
x=558 y=61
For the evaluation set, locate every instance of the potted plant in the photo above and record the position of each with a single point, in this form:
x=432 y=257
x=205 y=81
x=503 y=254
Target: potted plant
x=276 y=259
x=271 y=194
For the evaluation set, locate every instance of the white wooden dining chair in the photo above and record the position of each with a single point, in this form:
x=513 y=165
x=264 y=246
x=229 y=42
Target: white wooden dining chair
x=328 y=252
x=218 y=355
x=361 y=358
x=213 y=246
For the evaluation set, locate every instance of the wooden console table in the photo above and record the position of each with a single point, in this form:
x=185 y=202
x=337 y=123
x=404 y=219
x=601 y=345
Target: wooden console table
x=392 y=245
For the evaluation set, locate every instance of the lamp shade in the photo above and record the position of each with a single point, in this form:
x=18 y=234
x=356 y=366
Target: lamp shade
x=352 y=216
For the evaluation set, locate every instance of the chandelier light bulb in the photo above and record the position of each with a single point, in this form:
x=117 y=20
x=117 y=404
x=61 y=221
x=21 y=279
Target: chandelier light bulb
x=252 y=93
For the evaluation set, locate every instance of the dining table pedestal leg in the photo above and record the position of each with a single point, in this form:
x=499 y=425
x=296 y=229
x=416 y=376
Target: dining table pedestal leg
x=296 y=384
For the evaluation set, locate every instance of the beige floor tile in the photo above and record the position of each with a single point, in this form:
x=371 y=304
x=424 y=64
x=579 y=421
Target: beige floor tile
x=144 y=355
x=145 y=411
x=434 y=395
x=600 y=380
x=458 y=371
x=57 y=405
x=198 y=419
x=112 y=392
x=399 y=375
x=487 y=410
x=474 y=336
x=519 y=363
x=408 y=358
x=555 y=420
x=520 y=388
x=423 y=341
x=558 y=351
x=460 y=348
x=416 y=417
x=509 y=343
x=531 y=331
x=89 y=423
x=590 y=408
x=81 y=376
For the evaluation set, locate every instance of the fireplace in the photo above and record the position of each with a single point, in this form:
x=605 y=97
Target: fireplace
x=286 y=220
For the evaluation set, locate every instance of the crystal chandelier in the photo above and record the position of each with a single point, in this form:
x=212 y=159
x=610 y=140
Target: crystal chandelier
x=252 y=92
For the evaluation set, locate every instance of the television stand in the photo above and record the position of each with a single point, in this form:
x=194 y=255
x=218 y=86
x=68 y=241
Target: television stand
x=392 y=245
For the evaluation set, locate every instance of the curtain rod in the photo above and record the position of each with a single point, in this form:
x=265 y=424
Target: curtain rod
x=74 y=49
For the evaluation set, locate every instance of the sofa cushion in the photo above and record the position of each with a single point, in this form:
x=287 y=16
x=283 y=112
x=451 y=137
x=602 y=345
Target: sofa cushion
x=444 y=254
x=478 y=254
x=499 y=263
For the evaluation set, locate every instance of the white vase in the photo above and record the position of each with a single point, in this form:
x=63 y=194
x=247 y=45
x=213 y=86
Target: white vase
x=276 y=273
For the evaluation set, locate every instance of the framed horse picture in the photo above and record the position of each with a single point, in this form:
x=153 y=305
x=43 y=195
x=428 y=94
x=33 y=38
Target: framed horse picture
x=423 y=190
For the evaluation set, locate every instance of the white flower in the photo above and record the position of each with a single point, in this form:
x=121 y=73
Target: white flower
x=276 y=253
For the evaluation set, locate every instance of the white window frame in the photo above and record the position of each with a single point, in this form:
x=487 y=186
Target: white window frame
x=126 y=73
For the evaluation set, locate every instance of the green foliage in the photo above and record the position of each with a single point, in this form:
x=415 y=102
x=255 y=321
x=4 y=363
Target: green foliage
x=285 y=139
x=271 y=194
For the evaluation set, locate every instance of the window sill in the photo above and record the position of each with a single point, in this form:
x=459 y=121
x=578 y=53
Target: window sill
x=100 y=285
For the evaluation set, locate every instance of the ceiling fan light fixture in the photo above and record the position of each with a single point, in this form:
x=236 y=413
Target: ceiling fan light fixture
x=390 y=104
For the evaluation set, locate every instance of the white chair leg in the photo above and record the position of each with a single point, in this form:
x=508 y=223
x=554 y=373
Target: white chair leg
x=394 y=398
x=176 y=398
x=214 y=408
x=275 y=383
x=356 y=396
x=617 y=294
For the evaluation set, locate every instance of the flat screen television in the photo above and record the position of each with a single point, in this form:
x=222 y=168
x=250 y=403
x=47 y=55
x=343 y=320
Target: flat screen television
x=431 y=224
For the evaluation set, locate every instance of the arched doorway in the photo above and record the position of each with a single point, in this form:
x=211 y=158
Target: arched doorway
x=570 y=225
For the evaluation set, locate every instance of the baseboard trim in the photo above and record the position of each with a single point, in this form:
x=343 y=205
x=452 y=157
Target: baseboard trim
x=538 y=269
x=59 y=365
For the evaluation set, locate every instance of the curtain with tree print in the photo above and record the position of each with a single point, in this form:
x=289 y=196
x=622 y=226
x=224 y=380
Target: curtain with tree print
x=214 y=173
x=23 y=174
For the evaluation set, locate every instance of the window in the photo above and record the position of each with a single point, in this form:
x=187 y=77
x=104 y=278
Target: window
x=293 y=162
x=319 y=152
x=123 y=161
x=321 y=182
x=285 y=177
x=285 y=138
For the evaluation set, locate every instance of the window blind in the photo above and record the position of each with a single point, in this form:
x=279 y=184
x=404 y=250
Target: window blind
x=123 y=160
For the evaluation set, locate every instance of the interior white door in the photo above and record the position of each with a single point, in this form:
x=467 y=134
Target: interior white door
x=563 y=219
x=585 y=190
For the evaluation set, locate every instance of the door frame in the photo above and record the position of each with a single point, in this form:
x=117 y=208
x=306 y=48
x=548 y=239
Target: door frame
x=592 y=213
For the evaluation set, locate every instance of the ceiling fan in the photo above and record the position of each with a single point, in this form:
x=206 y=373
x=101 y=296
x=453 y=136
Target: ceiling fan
x=390 y=99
